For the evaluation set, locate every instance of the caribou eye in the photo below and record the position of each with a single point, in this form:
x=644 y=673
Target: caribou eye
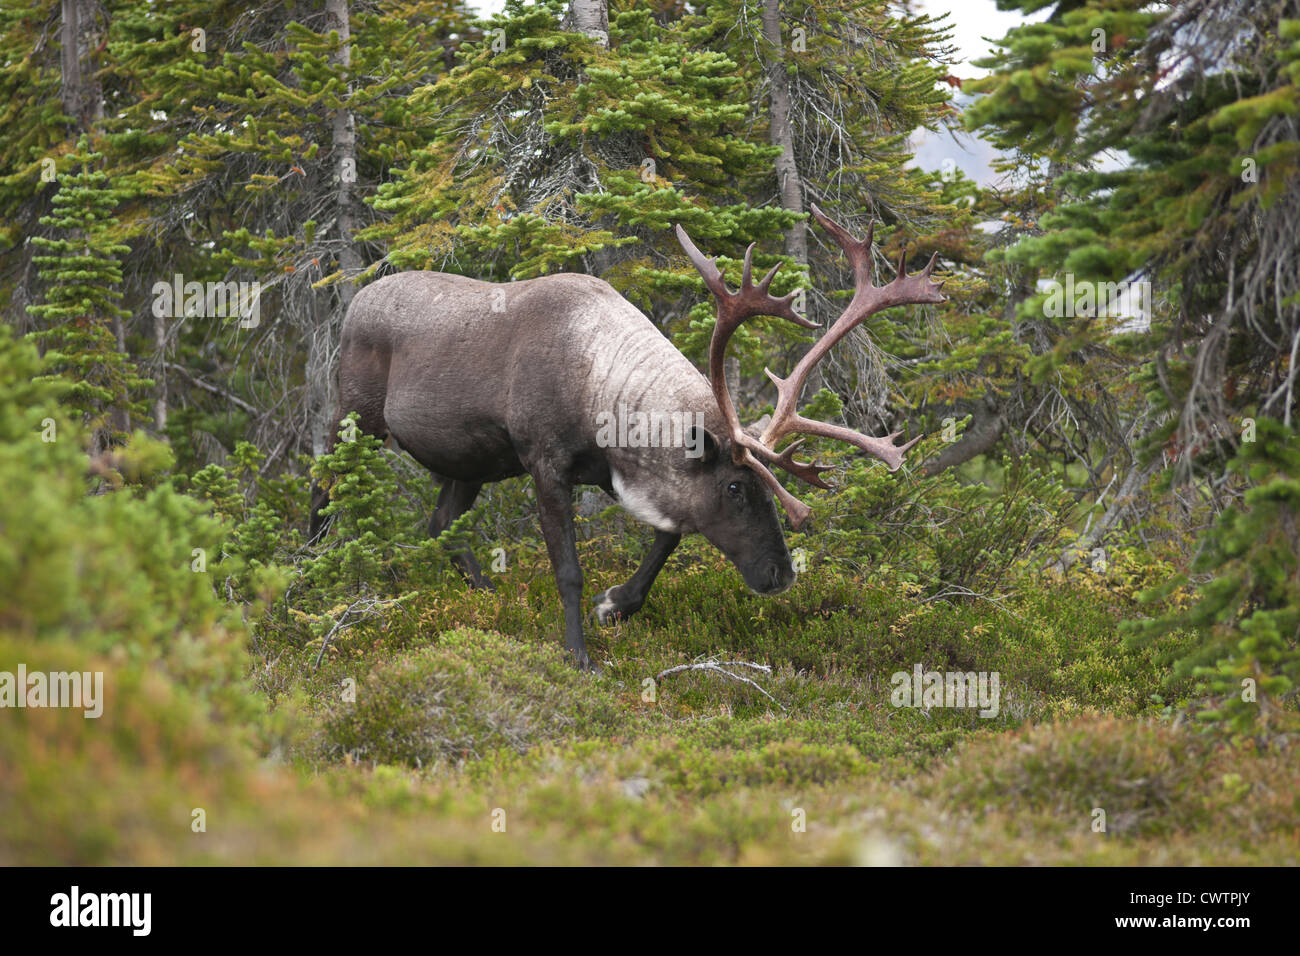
x=733 y=489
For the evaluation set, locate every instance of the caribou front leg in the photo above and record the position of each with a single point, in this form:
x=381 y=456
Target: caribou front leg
x=555 y=502
x=624 y=600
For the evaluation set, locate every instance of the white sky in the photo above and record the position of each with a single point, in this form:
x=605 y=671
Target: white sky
x=970 y=21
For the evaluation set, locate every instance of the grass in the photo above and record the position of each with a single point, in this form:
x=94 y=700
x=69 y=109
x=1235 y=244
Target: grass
x=451 y=729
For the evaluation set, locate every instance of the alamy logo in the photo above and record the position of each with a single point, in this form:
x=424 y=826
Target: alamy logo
x=208 y=300
x=1085 y=298
x=76 y=689
x=927 y=689
x=103 y=909
x=654 y=429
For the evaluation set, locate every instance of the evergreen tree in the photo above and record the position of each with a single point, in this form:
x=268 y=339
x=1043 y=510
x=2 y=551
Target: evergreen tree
x=1049 y=385
x=839 y=89
x=83 y=273
x=555 y=153
x=1249 y=611
x=35 y=140
x=280 y=120
x=1205 y=211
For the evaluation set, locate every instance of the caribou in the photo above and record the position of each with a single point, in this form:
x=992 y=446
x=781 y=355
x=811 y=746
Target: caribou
x=480 y=382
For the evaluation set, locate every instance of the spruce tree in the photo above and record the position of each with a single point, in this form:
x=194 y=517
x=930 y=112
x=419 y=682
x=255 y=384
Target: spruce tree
x=254 y=141
x=81 y=267
x=555 y=153
x=1249 y=610
x=840 y=88
x=1204 y=209
x=35 y=140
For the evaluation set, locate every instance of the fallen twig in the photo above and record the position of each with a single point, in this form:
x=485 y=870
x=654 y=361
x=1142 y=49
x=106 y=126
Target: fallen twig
x=716 y=667
x=958 y=591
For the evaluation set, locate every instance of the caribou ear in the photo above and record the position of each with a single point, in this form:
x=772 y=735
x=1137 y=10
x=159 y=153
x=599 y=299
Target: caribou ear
x=755 y=430
x=701 y=445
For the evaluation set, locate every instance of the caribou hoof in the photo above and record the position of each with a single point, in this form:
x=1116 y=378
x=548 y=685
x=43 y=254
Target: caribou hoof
x=586 y=664
x=609 y=610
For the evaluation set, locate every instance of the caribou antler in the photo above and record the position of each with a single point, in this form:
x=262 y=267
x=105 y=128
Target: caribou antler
x=733 y=309
x=751 y=300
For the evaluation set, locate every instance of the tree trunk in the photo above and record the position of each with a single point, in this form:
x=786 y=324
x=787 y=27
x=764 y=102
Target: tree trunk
x=320 y=348
x=590 y=17
x=119 y=415
x=320 y=381
x=731 y=372
x=986 y=427
x=781 y=133
x=80 y=94
x=160 y=395
x=345 y=156
x=72 y=90
x=1123 y=500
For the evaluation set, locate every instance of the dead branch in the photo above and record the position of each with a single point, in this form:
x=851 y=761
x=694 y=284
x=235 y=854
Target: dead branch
x=368 y=607
x=716 y=667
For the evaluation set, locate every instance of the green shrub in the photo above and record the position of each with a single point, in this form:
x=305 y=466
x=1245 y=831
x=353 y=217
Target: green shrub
x=127 y=574
x=1147 y=778
x=948 y=537
x=470 y=693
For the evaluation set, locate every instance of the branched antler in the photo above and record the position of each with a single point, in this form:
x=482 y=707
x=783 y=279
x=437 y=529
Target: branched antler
x=733 y=308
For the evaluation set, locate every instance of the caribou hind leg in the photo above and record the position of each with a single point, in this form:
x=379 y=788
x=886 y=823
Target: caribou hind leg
x=454 y=500
x=363 y=388
x=318 y=524
x=624 y=600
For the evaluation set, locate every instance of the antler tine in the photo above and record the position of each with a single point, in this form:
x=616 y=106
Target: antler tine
x=929 y=268
x=766 y=281
x=867 y=300
x=857 y=251
x=751 y=299
x=803 y=470
x=747 y=272
x=705 y=266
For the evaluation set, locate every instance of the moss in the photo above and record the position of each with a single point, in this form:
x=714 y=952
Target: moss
x=467 y=694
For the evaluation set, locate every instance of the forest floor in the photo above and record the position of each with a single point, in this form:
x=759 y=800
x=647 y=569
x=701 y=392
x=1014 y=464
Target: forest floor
x=451 y=729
